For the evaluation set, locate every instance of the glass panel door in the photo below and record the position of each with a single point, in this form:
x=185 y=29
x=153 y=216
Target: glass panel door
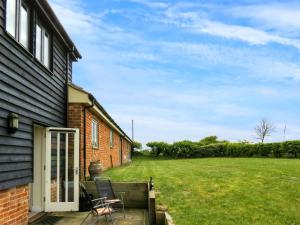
x=62 y=173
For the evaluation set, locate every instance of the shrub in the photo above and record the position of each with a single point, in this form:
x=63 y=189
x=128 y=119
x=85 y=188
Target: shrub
x=183 y=149
x=158 y=148
x=291 y=149
x=211 y=147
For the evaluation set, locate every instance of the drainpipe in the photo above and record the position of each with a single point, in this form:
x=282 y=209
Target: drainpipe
x=84 y=136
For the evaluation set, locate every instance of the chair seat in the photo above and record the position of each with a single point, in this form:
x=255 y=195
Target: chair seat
x=104 y=211
x=112 y=201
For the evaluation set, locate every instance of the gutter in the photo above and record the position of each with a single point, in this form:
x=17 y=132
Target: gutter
x=92 y=98
x=57 y=26
x=84 y=136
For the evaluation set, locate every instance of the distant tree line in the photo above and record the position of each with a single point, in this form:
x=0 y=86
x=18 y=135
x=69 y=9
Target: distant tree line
x=212 y=147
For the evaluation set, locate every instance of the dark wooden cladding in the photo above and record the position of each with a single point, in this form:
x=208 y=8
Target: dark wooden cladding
x=36 y=94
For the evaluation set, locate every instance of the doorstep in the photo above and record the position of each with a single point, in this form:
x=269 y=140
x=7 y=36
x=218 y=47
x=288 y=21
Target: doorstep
x=35 y=216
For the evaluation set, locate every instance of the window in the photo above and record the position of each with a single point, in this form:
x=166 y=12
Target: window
x=38 y=42
x=111 y=139
x=11 y=14
x=95 y=134
x=46 y=50
x=42 y=45
x=24 y=26
x=17 y=21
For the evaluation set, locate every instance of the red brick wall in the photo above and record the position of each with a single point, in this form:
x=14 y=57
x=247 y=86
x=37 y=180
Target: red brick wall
x=14 y=206
x=126 y=152
x=75 y=120
x=109 y=157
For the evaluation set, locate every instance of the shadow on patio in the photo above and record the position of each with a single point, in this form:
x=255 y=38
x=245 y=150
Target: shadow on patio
x=133 y=217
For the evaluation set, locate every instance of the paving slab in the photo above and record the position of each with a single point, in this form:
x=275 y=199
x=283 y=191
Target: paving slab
x=133 y=217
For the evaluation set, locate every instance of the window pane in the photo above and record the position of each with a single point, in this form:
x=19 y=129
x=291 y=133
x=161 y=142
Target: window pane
x=94 y=133
x=54 y=140
x=71 y=170
x=111 y=138
x=11 y=17
x=62 y=167
x=46 y=50
x=24 y=27
x=38 y=43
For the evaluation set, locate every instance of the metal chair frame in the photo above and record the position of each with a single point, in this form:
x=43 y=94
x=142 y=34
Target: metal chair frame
x=96 y=204
x=110 y=194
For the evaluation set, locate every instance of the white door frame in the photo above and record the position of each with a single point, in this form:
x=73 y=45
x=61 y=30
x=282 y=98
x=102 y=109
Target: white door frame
x=61 y=206
x=38 y=186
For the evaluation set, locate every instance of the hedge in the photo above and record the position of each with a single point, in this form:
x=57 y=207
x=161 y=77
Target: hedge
x=188 y=149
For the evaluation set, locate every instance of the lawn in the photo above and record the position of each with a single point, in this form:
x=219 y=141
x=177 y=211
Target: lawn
x=222 y=190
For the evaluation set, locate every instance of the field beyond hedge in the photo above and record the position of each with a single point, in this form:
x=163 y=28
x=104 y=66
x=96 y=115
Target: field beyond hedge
x=222 y=190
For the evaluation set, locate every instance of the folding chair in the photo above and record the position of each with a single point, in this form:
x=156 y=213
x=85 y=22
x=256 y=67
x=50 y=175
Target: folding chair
x=104 y=189
x=98 y=207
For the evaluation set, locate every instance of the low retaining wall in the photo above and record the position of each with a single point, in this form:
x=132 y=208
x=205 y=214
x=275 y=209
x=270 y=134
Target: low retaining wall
x=152 y=208
x=163 y=218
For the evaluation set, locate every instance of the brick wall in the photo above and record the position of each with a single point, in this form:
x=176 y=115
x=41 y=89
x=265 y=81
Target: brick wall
x=109 y=157
x=127 y=152
x=14 y=206
x=75 y=120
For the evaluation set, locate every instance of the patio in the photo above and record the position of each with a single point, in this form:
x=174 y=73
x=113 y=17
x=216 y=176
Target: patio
x=133 y=217
x=138 y=200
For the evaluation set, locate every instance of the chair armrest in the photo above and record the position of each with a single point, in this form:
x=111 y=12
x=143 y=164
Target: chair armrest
x=121 y=194
x=100 y=202
x=99 y=199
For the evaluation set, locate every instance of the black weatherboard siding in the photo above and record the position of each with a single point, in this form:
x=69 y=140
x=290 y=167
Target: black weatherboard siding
x=36 y=94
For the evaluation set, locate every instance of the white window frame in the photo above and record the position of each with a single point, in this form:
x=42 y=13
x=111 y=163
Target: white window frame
x=111 y=138
x=95 y=134
x=44 y=33
x=17 y=28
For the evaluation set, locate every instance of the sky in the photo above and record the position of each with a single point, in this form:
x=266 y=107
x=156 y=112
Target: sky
x=183 y=70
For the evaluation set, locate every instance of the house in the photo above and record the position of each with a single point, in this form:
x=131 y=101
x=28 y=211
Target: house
x=38 y=153
x=101 y=139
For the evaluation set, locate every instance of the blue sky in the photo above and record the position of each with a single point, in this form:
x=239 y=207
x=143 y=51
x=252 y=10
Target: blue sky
x=189 y=69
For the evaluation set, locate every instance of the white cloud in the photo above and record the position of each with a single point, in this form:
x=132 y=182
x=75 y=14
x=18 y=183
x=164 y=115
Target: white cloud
x=170 y=130
x=196 y=21
x=111 y=71
x=248 y=34
x=73 y=18
x=90 y=32
x=152 y=4
x=279 y=16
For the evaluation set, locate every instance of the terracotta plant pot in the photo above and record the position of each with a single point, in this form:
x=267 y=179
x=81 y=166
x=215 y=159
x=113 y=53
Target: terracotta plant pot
x=95 y=169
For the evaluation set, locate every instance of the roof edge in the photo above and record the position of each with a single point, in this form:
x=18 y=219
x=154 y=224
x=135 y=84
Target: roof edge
x=59 y=28
x=101 y=108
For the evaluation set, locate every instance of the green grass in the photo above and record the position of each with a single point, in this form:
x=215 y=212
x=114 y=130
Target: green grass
x=222 y=190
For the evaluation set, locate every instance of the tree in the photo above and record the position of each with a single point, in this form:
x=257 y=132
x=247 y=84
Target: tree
x=137 y=145
x=209 y=140
x=158 y=147
x=264 y=129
